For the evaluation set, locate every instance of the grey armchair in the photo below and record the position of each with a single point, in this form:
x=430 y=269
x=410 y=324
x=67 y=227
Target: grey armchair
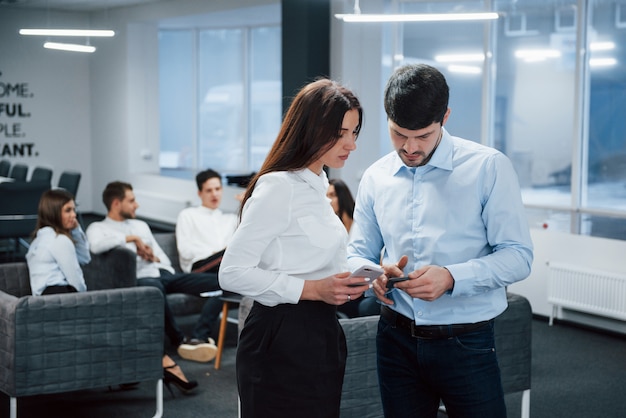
x=68 y=342
x=118 y=268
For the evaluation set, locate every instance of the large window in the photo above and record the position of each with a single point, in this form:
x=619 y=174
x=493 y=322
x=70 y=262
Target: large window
x=220 y=98
x=550 y=95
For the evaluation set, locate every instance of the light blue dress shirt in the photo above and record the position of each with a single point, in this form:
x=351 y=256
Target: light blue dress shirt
x=463 y=211
x=54 y=260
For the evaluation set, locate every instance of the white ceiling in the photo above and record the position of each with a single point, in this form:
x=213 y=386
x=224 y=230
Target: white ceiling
x=74 y=5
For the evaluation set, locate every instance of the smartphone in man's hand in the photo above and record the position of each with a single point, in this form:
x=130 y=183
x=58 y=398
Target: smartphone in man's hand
x=395 y=280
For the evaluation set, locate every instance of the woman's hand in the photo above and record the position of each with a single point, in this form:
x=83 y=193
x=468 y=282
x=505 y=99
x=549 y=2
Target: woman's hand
x=74 y=224
x=335 y=290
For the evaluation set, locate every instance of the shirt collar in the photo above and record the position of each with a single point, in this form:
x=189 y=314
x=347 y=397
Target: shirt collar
x=210 y=211
x=319 y=183
x=442 y=157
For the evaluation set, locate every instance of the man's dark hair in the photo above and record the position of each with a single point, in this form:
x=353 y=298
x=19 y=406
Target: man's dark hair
x=416 y=96
x=114 y=190
x=203 y=176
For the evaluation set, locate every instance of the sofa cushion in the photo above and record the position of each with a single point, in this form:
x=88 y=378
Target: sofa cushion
x=14 y=279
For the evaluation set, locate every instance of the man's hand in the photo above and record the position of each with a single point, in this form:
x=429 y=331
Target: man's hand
x=143 y=250
x=427 y=283
x=391 y=270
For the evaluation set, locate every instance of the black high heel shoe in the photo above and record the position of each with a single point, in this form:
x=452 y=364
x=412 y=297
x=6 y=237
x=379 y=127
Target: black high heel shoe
x=182 y=385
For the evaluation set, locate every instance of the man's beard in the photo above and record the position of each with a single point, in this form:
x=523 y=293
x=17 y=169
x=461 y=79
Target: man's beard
x=127 y=215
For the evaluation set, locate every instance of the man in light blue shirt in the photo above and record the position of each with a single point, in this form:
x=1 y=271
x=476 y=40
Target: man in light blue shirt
x=446 y=213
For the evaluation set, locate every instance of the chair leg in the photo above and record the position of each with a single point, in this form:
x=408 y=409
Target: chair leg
x=13 y=407
x=222 y=335
x=526 y=404
x=159 y=399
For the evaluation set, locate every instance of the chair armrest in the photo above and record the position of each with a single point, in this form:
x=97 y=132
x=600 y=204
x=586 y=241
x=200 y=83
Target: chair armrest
x=85 y=340
x=7 y=336
x=116 y=268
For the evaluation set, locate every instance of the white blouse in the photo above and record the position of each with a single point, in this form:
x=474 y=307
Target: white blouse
x=288 y=233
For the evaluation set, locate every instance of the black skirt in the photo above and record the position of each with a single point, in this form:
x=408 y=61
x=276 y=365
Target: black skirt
x=291 y=361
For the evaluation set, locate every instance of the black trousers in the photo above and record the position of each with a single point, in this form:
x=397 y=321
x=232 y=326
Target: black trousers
x=191 y=284
x=53 y=290
x=291 y=361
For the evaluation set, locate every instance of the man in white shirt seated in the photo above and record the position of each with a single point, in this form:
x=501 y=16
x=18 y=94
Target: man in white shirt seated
x=120 y=228
x=204 y=231
x=202 y=234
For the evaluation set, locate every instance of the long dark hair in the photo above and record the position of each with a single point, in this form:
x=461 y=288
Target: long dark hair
x=312 y=126
x=344 y=198
x=50 y=208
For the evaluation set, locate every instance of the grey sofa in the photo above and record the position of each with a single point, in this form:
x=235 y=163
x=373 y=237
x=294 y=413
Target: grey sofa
x=68 y=342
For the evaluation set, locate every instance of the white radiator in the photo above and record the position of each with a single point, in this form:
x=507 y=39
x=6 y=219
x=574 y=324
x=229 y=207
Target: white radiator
x=586 y=290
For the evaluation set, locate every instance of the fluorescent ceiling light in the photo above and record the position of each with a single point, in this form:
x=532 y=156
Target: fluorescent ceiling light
x=69 y=47
x=602 y=62
x=602 y=46
x=464 y=69
x=428 y=17
x=68 y=32
x=537 y=54
x=460 y=57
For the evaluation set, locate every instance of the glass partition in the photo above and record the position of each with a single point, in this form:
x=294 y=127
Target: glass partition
x=548 y=80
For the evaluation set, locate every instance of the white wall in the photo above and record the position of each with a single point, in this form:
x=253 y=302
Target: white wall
x=58 y=103
x=577 y=250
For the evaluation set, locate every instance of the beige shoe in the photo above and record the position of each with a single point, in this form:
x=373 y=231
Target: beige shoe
x=197 y=350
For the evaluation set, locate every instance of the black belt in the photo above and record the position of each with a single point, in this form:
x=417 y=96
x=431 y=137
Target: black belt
x=432 y=332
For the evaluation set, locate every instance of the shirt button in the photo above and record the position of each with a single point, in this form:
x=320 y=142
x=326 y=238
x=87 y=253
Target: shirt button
x=419 y=313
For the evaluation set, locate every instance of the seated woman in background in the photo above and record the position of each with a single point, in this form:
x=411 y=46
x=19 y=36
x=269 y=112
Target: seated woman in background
x=59 y=247
x=56 y=254
x=342 y=203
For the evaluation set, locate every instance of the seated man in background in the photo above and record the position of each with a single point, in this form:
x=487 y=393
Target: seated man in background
x=120 y=228
x=202 y=234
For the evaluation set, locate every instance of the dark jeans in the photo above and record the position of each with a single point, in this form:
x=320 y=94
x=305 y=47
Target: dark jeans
x=191 y=284
x=416 y=373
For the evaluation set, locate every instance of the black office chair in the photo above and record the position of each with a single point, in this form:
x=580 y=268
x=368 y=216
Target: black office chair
x=69 y=181
x=19 y=202
x=19 y=172
x=41 y=174
x=5 y=167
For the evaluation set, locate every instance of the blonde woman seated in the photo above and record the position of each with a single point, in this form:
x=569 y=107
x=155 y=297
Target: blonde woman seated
x=56 y=254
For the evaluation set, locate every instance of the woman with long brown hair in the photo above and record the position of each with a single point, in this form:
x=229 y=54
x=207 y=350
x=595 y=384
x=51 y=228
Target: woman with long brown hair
x=289 y=255
x=59 y=247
